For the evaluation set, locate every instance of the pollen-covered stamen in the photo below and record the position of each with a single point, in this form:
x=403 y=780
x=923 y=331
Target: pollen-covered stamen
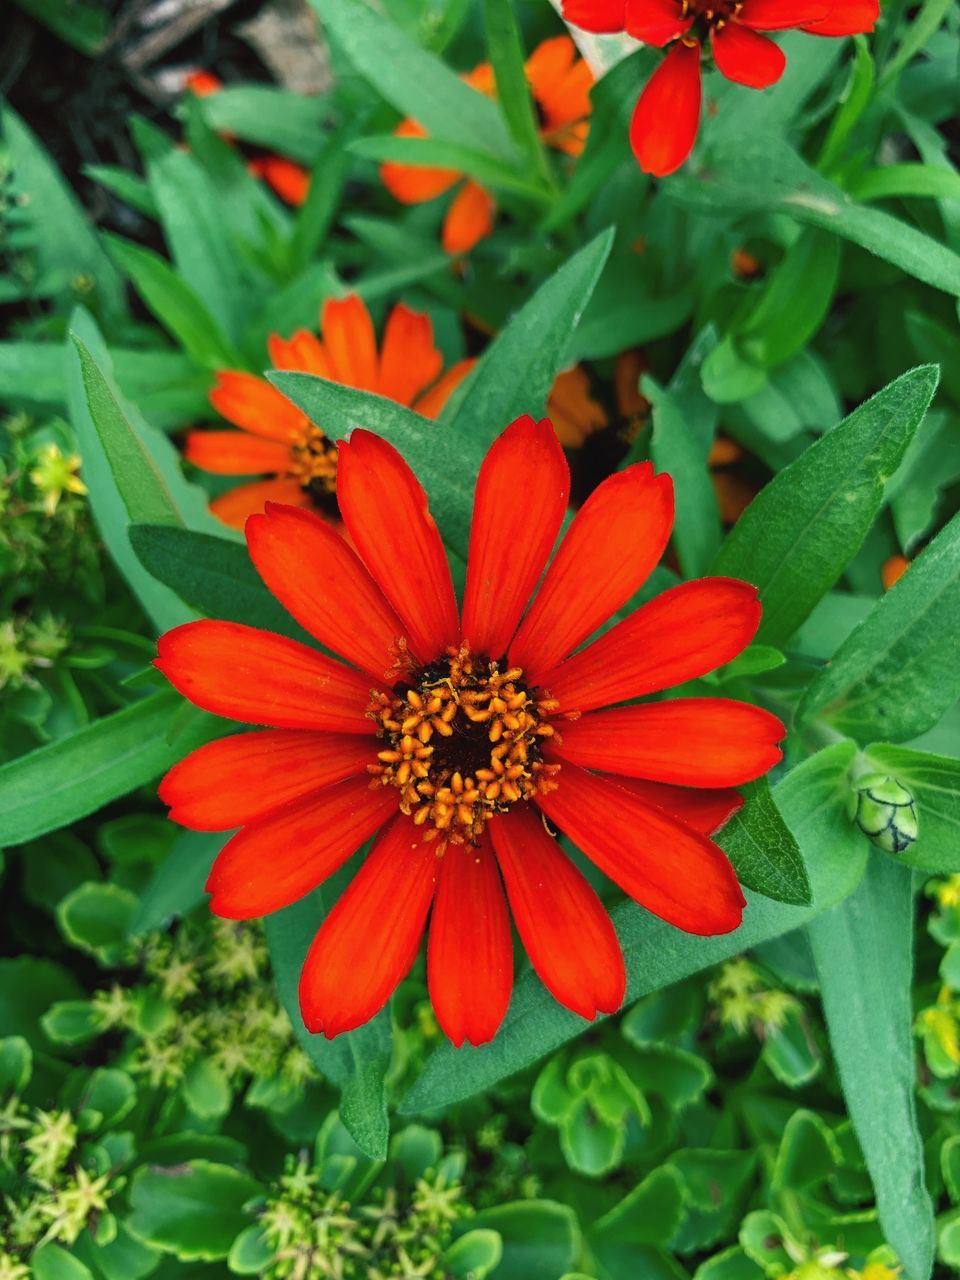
x=462 y=741
x=313 y=460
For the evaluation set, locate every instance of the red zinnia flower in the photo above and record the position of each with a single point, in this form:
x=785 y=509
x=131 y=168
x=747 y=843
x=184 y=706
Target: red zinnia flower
x=667 y=114
x=560 y=83
x=458 y=736
x=279 y=441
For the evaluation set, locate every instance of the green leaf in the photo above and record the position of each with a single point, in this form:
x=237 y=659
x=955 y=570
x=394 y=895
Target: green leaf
x=52 y=1262
x=795 y=539
x=357 y=1061
x=757 y=173
x=808 y=1153
x=212 y=575
x=934 y=782
x=864 y=956
x=683 y=426
x=175 y=304
x=763 y=851
x=76 y=775
x=177 y=886
x=906 y=180
x=540 y=1238
x=649 y=1214
x=790 y=1052
x=28 y=986
x=84 y=26
x=473 y=1256
x=513 y=92
x=418 y=84
x=519 y=367
x=70 y=255
x=96 y=917
x=16 y=1064
x=206 y=1090
x=794 y=302
x=812 y=800
x=72 y=1022
x=897 y=673
x=108 y=500
x=193 y=1210
x=289 y=123
x=32 y=373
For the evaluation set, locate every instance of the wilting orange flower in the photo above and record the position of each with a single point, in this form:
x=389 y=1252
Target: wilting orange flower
x=287 y=179
x=576 y=415
x=280 y=442
x=560 y=83
x=458 y=734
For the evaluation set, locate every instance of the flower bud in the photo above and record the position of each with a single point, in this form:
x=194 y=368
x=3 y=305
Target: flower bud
x=885 y=811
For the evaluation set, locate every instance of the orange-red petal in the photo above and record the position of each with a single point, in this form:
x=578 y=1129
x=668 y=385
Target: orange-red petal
x=779 y=15
x=370 y=939
x=350 y=342
x=251 y=403
x=657 y=22
x=667 y=115
x=667 y=867
x=432 y=402
x=693 y=742
x=385 y=510
x=469 y=218
x=236 y=505
x=235 y=780
x=705 y=809
x=236 y=453
x=595 y=15
x=409 y=359
x=411 y=183
x=746 y=57
x=846 y=18
x=679 y=636
x=321 y=582
x=279 y=858
x=609 y=551
x=563 y=926
x=289 y=180
x=247 y=674
x=301 y=353
x=470 y=948
x=518 y=509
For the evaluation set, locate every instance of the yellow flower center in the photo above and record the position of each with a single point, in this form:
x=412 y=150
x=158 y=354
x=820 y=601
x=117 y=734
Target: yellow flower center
x=313 y=461
x=462 y=741
x=711 y=13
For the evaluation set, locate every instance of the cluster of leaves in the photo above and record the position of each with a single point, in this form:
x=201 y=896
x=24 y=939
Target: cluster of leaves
x=744 y=1118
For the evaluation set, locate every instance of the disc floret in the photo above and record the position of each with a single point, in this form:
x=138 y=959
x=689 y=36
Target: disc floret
x=313 y=460
x=462 y=741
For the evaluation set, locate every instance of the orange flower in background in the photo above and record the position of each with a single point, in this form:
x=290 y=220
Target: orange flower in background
x=278 y=441
x=667 y=115
x=455 y=732
x=560 y=83
x=287 y=179
x=892 y=570
x=577 y=415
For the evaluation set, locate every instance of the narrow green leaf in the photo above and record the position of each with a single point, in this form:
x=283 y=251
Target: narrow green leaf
x=853 y=102
x=897 y=673
x=69 y=252
x=32 y=373
x=289 y=123
x=518 y=369
x=763 y=851
x=357 y=1061
x=812 y=800
x=137 y=477
x=863 y=950
x=759 y=173
x=177 y=885
x=923 y=27
x=794 y=302
x=513 y=92
x=418 y=84
x=174 y=303
x=907 y=180
x=59 y=783
x=795 y=539
x=213 y=575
